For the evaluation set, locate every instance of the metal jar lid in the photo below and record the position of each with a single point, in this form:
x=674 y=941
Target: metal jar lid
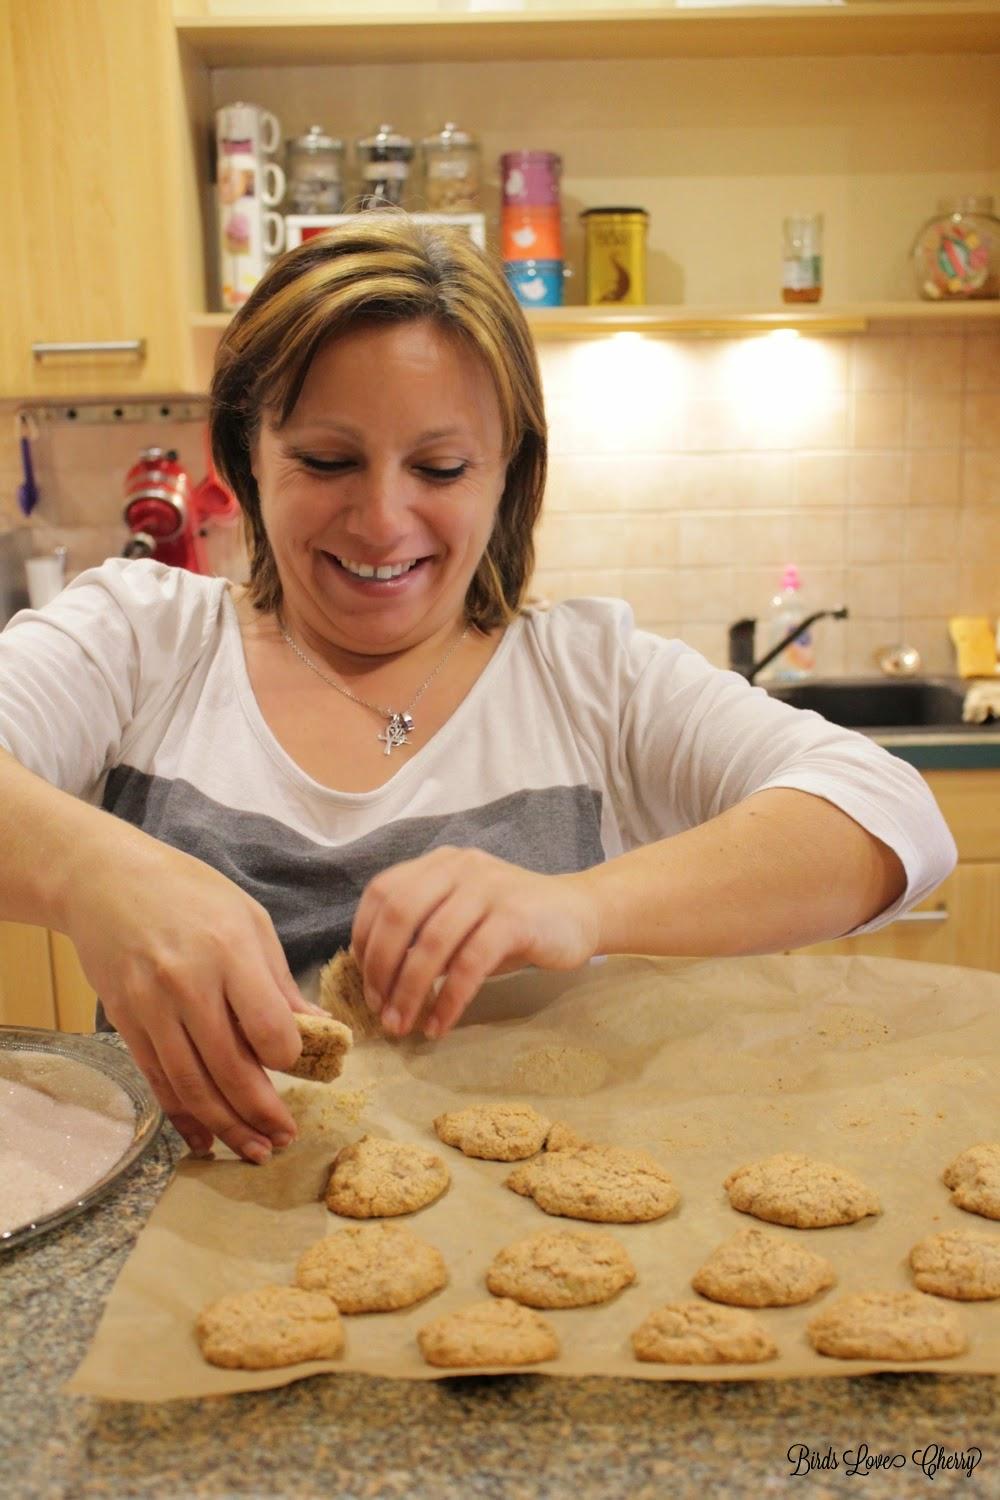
x=386 y=140
x=315 y=140
x=448 y=138
x=614 y=212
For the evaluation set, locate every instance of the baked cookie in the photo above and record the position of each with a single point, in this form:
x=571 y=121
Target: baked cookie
x=605 y=1184
x=342 y=993
x=693 y=1333
x=800 y=1192
x=494 y=1132
x=269 y=1327
x=563 y=1137
x=758 y=1269
x=375 y=1179
x=369 y=1268
x=561 y=1268
x=494 y=1332
x=325 y=1044
x=887 y=1325
x=959 y=1263
x=974 y=1178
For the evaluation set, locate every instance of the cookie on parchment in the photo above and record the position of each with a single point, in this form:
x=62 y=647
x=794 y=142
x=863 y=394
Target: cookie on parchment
x=325 y=1044
x=758 y=1269
x=269 y=1327
x=563 y=1137
x=494 y=1132
x=974 y=1178
x=561 y=1268
x=887 y=1325
x=959 y=1263
x=800 y=1192
x=375 y=1179
x=497 y=1331
x=695 y=1333
x=604 y=1184
x=369 y=1268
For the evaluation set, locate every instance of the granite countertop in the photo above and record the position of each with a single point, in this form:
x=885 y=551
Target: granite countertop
x=518 y=1437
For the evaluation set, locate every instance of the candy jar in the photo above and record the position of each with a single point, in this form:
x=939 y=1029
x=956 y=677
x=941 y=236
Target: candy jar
x=956 y=255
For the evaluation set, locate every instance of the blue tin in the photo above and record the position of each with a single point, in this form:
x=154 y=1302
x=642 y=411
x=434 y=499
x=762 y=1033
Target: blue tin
x=536 y=283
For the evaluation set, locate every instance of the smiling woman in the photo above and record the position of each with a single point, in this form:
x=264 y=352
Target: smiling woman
x=377 y=742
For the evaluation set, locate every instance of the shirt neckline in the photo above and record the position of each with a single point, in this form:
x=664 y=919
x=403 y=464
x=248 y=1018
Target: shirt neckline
x=410 y=769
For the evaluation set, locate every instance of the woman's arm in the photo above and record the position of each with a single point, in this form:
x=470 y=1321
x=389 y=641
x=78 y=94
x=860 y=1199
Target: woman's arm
x=781 y=869
x=188 y=967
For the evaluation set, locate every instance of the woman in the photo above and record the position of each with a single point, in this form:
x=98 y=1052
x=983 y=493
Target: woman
x=374 y=741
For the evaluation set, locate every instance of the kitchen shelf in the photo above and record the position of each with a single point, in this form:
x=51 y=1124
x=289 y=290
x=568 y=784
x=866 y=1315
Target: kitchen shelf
x=722 y=322
x=858 y=27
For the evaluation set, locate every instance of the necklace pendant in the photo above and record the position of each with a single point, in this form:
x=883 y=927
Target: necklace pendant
x=396 y=732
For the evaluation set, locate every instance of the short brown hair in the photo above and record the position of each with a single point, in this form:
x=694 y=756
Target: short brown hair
x=383 y=268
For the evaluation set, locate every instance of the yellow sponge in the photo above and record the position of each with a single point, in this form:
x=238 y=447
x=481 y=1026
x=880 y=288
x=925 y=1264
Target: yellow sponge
x=974 y=645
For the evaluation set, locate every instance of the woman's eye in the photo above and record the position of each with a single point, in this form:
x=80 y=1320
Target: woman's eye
x=324 y=465
x=433 y=472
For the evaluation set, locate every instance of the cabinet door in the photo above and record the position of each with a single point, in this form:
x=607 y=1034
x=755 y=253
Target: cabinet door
x=26 y=996
x=958 y=924
x=75 y=1001
x=91 y=134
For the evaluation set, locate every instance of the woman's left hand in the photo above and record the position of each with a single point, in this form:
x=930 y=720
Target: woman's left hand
x=462 y=915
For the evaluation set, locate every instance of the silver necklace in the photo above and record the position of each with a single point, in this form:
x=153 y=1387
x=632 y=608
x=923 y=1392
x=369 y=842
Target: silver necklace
x=399 y=721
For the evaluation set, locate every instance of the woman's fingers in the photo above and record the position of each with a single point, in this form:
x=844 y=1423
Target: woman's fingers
x=198 y=1137
x=442 y=944
x=393 y=908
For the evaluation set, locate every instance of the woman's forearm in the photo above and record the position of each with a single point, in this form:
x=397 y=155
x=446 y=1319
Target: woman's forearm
x=781 y=869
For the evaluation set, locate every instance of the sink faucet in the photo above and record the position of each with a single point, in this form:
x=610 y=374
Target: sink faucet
x=741 y=639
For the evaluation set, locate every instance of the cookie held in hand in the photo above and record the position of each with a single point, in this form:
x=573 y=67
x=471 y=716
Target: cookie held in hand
x=268 y=1328
x=325 y=1044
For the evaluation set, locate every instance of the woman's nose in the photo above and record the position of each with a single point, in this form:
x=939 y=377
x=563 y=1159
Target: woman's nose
x=379 y=509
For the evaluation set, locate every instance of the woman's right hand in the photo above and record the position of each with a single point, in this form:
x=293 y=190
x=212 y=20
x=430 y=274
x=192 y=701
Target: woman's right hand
x=190 y=971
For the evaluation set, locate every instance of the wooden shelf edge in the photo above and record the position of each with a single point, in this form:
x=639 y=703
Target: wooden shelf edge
x=865 y=27
x=722 y=322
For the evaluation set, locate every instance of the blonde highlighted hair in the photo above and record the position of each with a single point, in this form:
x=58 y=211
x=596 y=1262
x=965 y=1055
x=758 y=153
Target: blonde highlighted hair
x=382 y=268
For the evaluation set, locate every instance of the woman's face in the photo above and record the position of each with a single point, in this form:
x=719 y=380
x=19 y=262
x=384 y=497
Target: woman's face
x=379 y=493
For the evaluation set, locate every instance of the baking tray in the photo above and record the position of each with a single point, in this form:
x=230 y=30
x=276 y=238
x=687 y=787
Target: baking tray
x=112 y=1063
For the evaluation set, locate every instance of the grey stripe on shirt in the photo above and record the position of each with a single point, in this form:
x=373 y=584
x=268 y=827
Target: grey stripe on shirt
x=311 y=889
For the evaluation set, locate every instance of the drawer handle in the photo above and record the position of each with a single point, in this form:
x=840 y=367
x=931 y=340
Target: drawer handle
x=93 y=346
x=939 y=914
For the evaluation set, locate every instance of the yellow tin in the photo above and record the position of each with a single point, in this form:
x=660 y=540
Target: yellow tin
x=615 y=255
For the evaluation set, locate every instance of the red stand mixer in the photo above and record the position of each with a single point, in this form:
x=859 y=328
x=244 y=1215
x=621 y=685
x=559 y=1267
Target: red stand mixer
x=167 y=517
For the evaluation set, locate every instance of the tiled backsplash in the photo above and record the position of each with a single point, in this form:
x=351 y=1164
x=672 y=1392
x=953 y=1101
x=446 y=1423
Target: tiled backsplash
x=685 y=474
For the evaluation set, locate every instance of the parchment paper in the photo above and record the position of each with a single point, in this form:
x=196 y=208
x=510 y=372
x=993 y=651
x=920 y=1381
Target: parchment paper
x=885 y=1066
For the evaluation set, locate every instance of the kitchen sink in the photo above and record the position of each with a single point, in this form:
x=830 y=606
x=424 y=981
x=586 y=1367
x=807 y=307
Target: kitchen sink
x=880 y=702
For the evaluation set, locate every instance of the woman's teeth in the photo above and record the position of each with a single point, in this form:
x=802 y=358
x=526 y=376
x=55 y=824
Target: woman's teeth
x=388 y=570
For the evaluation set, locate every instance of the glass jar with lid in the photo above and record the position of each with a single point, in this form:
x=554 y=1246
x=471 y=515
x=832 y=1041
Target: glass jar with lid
x=384 y=165
x=956 y=255
x=450 y=162
x=314 y=167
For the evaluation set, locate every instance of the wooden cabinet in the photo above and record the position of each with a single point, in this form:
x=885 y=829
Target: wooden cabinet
x=959 y=923
x=100 y=247
x=27 y=996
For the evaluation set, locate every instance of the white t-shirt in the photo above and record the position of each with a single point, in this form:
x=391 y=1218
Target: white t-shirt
x=583 y=738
